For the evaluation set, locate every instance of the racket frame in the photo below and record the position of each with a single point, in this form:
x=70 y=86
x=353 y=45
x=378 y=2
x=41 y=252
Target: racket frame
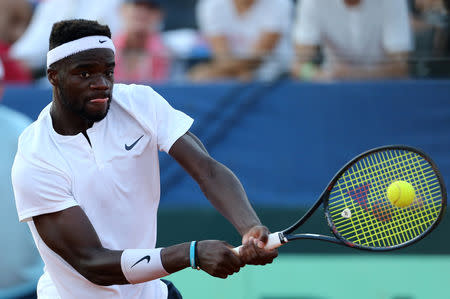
x=287 y=234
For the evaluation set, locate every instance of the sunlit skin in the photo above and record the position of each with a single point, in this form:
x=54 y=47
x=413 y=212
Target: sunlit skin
x=82 y=90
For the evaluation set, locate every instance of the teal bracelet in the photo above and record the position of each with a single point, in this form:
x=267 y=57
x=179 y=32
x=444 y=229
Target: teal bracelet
x=192 y=255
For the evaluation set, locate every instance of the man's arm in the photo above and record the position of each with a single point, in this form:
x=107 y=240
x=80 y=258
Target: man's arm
x=224 y=190
x=70 y=234
x=395 y=66
x=224 y=64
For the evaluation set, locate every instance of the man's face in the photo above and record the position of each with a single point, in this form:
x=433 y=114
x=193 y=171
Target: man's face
x=14 y=18
x=141 y=19
x=85 y=83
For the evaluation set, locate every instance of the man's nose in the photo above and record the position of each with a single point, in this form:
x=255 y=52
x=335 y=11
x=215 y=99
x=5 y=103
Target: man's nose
x=100 y=82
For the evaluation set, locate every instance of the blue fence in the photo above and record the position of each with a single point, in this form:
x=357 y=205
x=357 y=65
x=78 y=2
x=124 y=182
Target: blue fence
x=286 y=139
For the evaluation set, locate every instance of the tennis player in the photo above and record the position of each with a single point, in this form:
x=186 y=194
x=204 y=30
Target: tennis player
x=86 y=180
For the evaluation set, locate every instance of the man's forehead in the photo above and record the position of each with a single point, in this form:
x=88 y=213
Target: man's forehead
x=92 y=56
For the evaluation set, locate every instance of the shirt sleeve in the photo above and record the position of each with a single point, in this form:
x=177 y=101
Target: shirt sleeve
x=39 y=190
x=307 y=28
x=397 y=36
x=171 y=124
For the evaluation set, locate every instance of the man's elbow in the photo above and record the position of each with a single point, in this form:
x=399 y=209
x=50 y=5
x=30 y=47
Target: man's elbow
x=91 y=267
x=208 y=169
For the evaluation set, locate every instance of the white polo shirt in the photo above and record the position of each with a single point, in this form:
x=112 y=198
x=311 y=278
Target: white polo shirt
x=115 y=181
x=363 y=34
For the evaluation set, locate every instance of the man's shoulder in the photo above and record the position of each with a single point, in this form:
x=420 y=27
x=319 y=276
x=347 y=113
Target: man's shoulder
x=214 y=6
x=122 y=91
x=129 y=96
x=35 y=138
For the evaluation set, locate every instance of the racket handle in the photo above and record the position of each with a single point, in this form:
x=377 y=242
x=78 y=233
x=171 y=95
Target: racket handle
x=273 y=242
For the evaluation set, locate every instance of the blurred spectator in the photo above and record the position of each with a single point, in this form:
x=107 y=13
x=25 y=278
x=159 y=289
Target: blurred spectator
x=141 y=55
x=20 y=264
x=248 y=38
x=32 y=47
x=431 y=23
x=14 y=18
x=360 y=39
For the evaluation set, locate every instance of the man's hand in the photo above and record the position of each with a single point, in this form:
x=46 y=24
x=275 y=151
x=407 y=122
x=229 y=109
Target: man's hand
x=253 y=251
x=217 y=258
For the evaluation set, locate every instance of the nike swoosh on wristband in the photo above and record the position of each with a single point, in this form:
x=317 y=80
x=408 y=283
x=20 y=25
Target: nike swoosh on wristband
x=129 y=147
x=147 y=257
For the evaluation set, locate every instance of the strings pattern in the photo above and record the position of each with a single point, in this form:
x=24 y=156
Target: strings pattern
x=373 y=221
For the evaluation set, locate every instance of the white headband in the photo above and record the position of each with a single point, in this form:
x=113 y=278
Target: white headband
x=79 y=45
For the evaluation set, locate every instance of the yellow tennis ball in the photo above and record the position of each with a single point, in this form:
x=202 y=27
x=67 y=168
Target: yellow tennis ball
x=401 y=194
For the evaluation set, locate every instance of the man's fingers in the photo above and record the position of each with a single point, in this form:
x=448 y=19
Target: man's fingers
x=254 y=255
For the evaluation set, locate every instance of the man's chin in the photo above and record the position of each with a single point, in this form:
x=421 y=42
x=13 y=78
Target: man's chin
x=97 y=118
x=94 y=117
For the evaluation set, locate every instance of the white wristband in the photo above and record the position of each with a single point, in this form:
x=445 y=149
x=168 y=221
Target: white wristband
x=141 y=265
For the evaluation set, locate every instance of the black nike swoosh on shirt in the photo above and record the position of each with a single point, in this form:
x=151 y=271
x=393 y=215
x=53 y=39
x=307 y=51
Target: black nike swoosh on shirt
x=129 y=147
x=147 y=257
x=102 y=41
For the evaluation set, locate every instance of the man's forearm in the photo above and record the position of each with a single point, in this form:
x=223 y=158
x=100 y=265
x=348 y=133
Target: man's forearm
x=383 y=70
x=233 y=67
x=224 y=190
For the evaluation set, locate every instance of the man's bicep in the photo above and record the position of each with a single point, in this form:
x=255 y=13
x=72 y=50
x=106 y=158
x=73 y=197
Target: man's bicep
x=69 y=233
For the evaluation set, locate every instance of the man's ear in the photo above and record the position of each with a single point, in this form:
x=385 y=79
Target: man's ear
x=52 y=76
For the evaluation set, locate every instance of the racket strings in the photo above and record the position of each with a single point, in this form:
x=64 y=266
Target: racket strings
x=374 y=221
x=387 y=218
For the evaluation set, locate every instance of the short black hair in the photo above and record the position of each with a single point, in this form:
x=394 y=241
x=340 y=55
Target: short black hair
x=69 y=30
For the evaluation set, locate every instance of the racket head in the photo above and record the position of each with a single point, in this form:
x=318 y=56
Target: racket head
x=358 y=211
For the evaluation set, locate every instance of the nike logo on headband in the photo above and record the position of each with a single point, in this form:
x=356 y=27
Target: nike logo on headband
x=102 y=41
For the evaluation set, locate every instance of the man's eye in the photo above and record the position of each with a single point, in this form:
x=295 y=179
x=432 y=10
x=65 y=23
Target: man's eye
x=84 y=75
x=110 y=73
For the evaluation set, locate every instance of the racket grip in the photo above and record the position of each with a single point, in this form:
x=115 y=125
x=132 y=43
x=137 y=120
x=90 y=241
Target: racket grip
x=273 y=242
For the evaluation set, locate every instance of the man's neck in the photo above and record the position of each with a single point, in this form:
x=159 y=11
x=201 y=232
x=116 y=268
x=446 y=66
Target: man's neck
x=67 y=122
x=136 y=42
x=243 y=6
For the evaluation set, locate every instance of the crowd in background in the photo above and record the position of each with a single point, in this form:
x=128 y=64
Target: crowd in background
x=241 y=39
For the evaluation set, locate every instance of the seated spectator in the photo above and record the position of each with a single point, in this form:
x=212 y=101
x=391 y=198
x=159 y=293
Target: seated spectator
x=431 y=23
x=141 y=55
x=14 y=18
x=249 y=39
x=32 y=47
x=20 y=263
x=360 y=39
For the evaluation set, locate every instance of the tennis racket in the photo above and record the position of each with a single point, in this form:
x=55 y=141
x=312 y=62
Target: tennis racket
x=357 y=209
